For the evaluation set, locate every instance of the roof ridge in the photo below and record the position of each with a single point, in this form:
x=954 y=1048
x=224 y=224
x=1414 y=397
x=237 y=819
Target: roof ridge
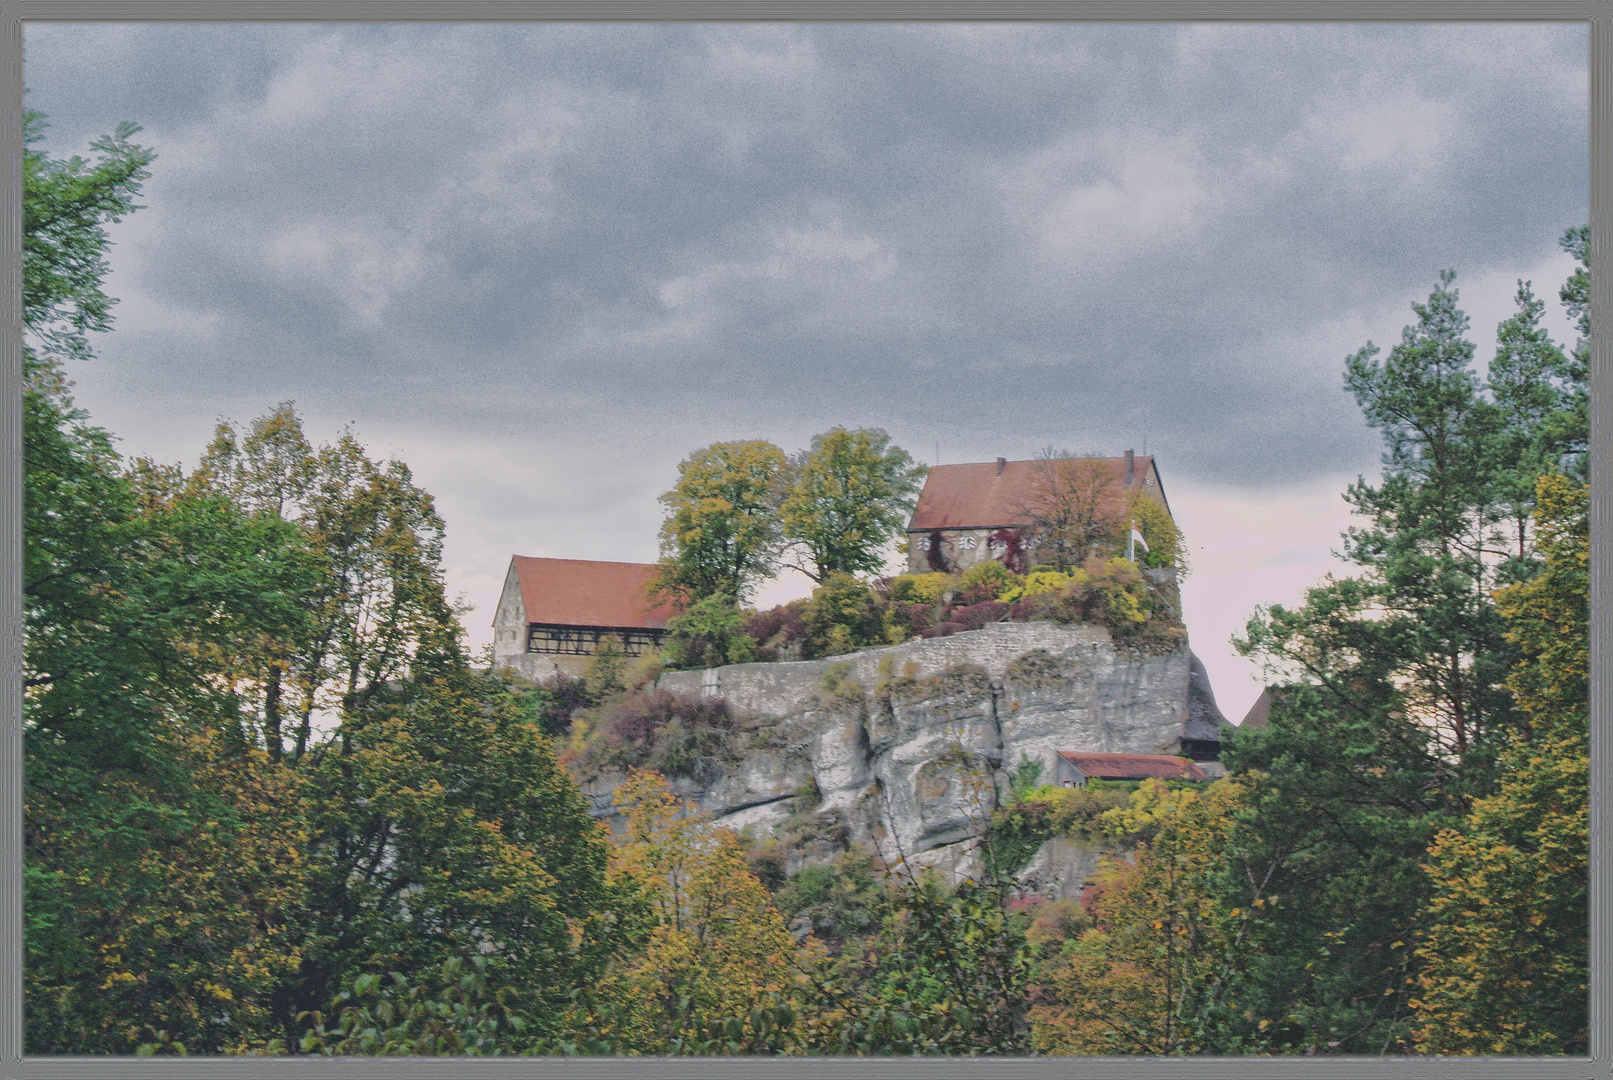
x=595 y=562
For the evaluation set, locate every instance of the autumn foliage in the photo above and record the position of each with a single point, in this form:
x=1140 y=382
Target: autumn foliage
x=272 y=807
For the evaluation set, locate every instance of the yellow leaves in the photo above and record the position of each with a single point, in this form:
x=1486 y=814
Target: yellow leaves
x=193 y=916
x=1131 y=989
x=1507 y=946
x=717 y=941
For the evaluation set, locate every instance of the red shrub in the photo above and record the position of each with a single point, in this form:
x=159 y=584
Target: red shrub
x=975 y=616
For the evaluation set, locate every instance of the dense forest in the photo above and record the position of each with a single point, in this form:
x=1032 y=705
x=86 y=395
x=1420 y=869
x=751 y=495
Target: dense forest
x=274 y=807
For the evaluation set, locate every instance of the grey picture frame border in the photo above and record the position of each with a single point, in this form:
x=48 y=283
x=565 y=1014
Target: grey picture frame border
x=14 y=14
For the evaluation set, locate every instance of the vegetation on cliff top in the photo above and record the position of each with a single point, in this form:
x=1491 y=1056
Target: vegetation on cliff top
x=845 y=614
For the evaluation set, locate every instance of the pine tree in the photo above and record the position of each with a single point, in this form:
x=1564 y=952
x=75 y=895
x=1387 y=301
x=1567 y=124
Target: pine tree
x=1397 y=709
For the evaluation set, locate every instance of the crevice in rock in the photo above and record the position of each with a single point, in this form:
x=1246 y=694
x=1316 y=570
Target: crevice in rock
x=759 y=802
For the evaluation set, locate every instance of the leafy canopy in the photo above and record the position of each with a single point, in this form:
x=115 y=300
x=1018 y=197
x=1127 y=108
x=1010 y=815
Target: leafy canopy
x=722 y=531
x=849 y=496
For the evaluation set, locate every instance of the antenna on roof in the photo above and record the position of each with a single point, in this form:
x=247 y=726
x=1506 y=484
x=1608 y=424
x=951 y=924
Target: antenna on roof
x=938 y=451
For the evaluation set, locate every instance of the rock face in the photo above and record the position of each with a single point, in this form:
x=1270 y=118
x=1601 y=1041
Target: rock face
x=908 y=748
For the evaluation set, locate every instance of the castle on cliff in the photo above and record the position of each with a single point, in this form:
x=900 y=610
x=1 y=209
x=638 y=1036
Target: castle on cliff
x=553 y=613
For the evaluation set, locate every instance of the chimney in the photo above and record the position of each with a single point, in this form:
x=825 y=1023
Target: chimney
x=1000 y=463
x=1131 y=468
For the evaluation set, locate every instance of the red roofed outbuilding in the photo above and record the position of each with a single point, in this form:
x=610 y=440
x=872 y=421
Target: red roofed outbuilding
x=1075 y=769
x=554 y=613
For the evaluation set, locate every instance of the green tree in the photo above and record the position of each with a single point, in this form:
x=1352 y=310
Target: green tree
x=375 y=608
x=847 y=497
x=455 y=1013
x=1419 y=616
x=440 y=827
x=1150 y=977
x=1508 y=944
x=158 y=906
x=193 y=882
x=947 y=973
x=1341 y=804
x=841 y=616
x=1526 y=380
x=1397 y=709
x=1571 y=427
x=162 y=850
x=722 y=530
x=710 y=633
x=66 y=206
x=439 y=824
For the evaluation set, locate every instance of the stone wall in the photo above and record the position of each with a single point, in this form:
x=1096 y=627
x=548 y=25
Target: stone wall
x=960 y=549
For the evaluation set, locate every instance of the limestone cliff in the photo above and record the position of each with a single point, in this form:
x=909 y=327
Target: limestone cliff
x=908 y=748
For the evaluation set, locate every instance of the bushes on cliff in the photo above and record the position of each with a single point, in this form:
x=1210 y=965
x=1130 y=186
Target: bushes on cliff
x=1040 y=581
x=709 y=633
x=984 y=581
x=843 y=614
x=557 y=700
x=1018 y=829
x=778 y=632
x=1111 y=593
x=920 y=588
x=672 y=733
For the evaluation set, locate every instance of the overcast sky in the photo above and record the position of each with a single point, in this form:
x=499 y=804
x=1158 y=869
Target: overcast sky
x=542 y=263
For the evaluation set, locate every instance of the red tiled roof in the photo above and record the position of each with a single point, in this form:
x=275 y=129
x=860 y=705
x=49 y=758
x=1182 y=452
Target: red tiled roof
x=977 y=496
x=1134 y=766
x=1257 y=716
x=579 y=592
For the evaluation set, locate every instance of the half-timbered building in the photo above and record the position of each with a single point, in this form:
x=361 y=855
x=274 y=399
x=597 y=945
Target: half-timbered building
x=554 y=614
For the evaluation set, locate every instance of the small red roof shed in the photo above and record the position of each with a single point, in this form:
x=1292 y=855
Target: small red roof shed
x=1076 y=769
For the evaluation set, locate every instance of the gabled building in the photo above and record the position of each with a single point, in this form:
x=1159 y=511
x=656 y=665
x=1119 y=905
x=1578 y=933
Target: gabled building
x=554 y=614
x=1259 y=713
x=969 y=513
x=1075 y=769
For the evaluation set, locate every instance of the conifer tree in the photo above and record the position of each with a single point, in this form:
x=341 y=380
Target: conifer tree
x=1396 y=709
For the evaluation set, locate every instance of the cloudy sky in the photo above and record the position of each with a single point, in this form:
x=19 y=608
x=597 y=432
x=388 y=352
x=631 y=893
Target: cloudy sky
x=542 y=263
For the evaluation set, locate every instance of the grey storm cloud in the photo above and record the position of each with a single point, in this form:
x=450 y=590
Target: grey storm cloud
x=658 y=233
